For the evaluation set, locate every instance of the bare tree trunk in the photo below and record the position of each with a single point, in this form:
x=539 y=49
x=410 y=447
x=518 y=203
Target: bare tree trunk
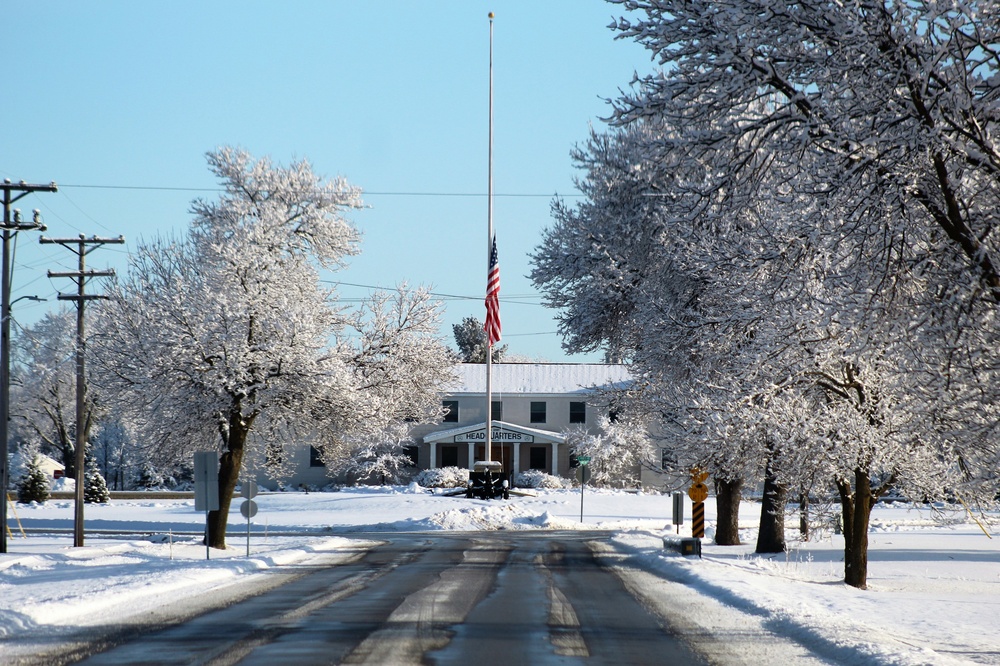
x=857 y=515
x=771 y=535
x=67 y=449
x=727 y=500
x=229 y=471
x=846 y=512
x=804 y=515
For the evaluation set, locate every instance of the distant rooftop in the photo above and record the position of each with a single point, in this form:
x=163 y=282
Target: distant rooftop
x=540 y=378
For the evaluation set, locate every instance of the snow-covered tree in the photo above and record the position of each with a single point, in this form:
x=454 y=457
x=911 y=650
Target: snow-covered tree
x=228 y=335
x=618 y=450
x=381 y=458
x=797 y=213
x=115 y=452
x=43 y=386
x=899 y=98
x=634 y=271
x=470 y=338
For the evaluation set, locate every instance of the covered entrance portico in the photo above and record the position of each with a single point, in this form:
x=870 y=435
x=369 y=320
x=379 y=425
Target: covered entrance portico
x=511 y=446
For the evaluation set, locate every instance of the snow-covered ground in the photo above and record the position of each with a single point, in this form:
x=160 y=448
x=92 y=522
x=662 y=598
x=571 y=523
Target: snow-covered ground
x=934 y=575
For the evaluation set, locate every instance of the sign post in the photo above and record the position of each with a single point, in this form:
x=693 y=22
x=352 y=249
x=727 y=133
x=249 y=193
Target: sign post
x=584 y=475
x=206 y=487
x=249 y=507
x=698 y=492
x=678 y=511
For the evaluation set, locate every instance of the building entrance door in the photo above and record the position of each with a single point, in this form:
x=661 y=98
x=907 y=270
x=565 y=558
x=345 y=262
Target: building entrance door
x=502 y=453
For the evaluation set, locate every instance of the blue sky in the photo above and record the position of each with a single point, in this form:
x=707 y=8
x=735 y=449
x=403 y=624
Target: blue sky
x=118 y=102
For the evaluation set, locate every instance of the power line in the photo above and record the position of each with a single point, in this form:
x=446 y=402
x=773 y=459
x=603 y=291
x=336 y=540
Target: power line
x=513 y=299
x=380 y=193
x=528 y=335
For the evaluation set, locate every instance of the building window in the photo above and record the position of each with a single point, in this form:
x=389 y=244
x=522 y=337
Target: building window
x=536 y=458
x=449 y=456
x=497 y=410
x=450 y=411
x=537 y=413
x=315 y=459
x=412 y=452
x=577 y=412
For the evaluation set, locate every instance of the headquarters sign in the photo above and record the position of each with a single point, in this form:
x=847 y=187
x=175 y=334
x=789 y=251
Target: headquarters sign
x=498 y=436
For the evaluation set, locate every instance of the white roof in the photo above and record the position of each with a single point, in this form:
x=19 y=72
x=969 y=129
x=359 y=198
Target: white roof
x=540 y=378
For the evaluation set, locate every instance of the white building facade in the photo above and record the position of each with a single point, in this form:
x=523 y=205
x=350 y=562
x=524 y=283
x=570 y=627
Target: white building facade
x=533 y=405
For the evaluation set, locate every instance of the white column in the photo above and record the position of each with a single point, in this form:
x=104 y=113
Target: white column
x=517 y=456
x=433 y=446
x=555 y=458
x=472 y=455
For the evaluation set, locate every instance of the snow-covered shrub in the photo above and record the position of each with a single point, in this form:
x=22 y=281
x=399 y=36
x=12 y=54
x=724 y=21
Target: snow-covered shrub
x=443 y=477
x=534 y=478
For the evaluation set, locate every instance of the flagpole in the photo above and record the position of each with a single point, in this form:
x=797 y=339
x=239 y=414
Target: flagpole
x=489 y=254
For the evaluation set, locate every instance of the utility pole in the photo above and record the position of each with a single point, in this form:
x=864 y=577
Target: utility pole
x=81 y=246
x=10 y=228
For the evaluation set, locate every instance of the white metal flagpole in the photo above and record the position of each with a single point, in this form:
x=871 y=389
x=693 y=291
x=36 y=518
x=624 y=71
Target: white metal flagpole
x=489 y=254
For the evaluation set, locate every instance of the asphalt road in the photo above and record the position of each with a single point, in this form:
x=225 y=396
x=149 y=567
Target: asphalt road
x=472 y=599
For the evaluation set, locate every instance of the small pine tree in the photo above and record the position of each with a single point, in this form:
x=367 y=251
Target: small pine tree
x=34 y=485
x=95 y=489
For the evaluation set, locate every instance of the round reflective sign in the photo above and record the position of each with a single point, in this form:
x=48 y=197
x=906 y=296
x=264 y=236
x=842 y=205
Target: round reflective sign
x=698 y=492
x=248 y=509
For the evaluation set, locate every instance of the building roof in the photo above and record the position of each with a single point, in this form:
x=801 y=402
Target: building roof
x=540 y=378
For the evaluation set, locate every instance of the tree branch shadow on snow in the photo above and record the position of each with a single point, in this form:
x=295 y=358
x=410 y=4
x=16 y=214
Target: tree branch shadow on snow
x=784 y=625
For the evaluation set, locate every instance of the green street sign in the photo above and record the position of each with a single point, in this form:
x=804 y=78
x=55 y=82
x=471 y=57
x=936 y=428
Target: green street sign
x=583 y=460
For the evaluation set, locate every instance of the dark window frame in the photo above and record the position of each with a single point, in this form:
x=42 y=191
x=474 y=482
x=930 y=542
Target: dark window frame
x=577 y=412
x=536 y=452
x=538 y=411
x=451 y=411
x=449 y=454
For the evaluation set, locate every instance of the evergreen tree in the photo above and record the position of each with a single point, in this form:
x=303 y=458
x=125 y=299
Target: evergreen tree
x=34 y=486
x=470 y=338
x=148 y=477
x=95 y=489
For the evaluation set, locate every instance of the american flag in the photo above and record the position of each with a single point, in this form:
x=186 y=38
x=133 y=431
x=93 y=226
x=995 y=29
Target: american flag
x=492 y=326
